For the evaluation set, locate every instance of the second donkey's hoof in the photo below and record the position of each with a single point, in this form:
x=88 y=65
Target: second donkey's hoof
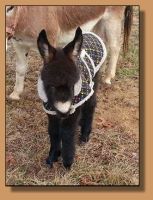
x=14 y=96
x=107 y=81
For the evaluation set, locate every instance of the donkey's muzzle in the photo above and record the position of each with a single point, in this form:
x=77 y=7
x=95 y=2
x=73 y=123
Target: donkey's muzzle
x=63 y=107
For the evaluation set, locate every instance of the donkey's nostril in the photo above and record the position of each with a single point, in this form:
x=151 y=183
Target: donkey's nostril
x=63 y=107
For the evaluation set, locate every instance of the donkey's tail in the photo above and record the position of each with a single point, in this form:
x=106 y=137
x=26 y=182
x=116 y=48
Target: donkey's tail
x=128 y=18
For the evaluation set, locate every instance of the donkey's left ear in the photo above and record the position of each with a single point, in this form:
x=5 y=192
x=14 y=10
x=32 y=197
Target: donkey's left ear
x=46 y=50
x=73 y=49
x=9 y=10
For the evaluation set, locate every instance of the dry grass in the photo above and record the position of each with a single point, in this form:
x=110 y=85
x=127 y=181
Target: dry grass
x=111 y=157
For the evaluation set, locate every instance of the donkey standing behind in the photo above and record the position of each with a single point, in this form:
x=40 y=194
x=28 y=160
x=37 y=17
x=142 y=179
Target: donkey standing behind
x=67 y=85
x=23 y=24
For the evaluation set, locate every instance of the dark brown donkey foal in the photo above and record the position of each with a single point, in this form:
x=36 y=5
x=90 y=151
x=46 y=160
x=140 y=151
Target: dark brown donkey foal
x=67 y=86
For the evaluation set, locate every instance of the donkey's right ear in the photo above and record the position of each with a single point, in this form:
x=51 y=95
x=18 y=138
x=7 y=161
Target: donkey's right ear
x=46 y=50
x=73 y=49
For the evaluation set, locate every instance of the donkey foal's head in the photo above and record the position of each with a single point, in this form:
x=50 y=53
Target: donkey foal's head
x=60 y=75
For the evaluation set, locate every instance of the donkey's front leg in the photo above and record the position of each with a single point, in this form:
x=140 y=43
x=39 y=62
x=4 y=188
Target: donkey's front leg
x=68 y=129
x=55 y=139
x=21 y=68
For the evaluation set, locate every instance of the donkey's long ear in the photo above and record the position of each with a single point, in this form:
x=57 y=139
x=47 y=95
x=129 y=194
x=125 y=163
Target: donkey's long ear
x=73 y=49
x=46 y=50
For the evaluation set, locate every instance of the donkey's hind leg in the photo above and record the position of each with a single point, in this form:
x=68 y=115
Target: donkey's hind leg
x=113 y=34
x=21 y=68
x=87 y=118
x=55 y=139
x=109 y=29
x=113 y=25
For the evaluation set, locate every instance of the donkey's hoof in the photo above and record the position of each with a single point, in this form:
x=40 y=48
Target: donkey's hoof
x=57 y=155
x=107 y=81
x=14 y=96
x=67 y=165
x=49 y=162
x=83 y=139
